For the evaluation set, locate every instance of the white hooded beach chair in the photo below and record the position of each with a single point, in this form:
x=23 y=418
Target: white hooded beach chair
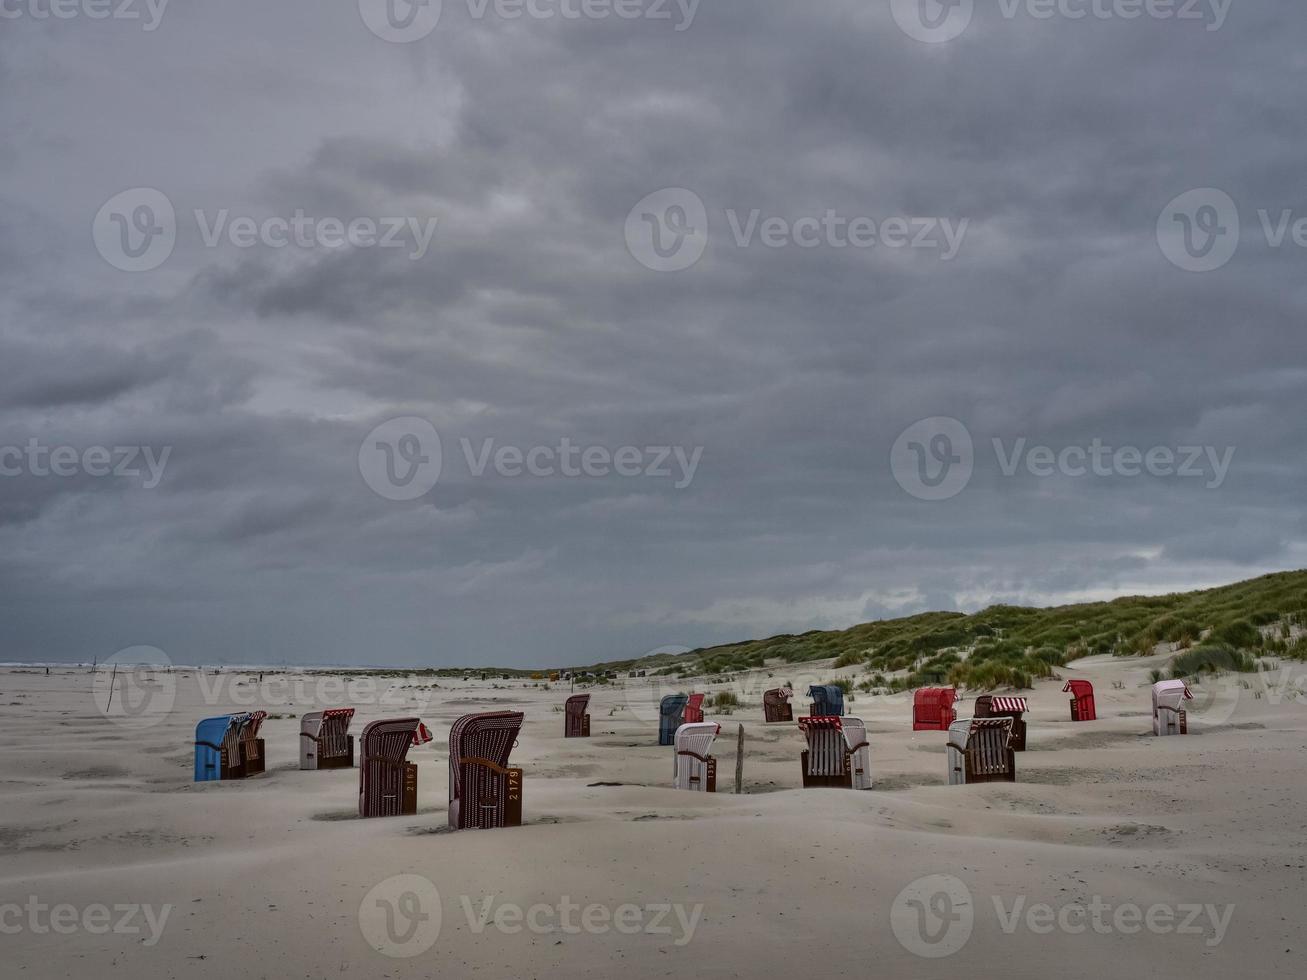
x=695 y=769
x=859 y=750
x=980 y=751
x=1169 y=716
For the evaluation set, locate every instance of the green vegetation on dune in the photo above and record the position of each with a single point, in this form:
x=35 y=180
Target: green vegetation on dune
x=1009 y=646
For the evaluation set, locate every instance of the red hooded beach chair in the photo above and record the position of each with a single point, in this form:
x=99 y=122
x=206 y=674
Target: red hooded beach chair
x=325 y=742
x=932 y=709
x=251 y=745
x=388 y=782
x=1169 y=715
x=1082 y=700
x=997 y=706
x=693 y=710
x=776 y=705
x=826 y=760
x=484 y=793
x=577 y=723
x=696 y=770
x=980 y=751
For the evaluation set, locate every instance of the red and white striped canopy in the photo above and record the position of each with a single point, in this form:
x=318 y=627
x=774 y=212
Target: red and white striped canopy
x=1009 y=704
x=822 y=721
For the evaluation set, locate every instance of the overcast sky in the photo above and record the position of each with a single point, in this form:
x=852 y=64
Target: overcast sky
x=748 y=367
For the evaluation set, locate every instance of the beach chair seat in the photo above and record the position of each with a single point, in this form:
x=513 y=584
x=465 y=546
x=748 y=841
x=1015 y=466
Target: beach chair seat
x=388 y=782
x=932 y=709
x=980 y=751
x=826 y=761
x=1082 y=700
x=696 y=769
x=576 y=722
x=251 y=746
x=997 y=706
x=325 y=742
x=671 y=716
x=1169 y=715
x=210 y=748
x=484 y=793
x=776 y=705
x=693 y=710
x=827 y=700
x=858 y=750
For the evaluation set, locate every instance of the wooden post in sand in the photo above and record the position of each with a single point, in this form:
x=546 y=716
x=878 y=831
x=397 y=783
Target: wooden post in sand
x=739 y=763
x=112 y=677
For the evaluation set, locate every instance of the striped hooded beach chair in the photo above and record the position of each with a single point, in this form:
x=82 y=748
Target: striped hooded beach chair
x=233 y=759
x=980 y=751
x=827 y=700
x=388 y=782
x=932 y=709
x=1082 y=700
x=483 y=792
x=325 y=742
x=826 y=760
x=671 y=711
x=252 y=757
x=776 y=705
x=859 y=752
x=210 y=742
x=696 y=769
x=693 y=710
x=1169 y=715
x=996 y=706
x=577 y=719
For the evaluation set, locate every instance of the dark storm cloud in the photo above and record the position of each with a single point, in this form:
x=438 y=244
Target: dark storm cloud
x=527 y=322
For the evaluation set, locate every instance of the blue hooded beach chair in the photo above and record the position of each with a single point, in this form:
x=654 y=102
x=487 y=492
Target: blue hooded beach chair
x=671 y=716
x=827 y=700
x=209 y=736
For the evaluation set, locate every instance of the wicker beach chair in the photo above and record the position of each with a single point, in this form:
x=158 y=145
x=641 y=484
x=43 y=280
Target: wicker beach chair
x=693 y=710
x=932 y=709
x=1082 y=700
x=827 y=700
x=826 y=762
x=576 y=722
x=859 y=752
x=233 y=759
x=325 y=742
x=671 y=711
x=483 y=792
x=696 y=769
x=776 y=705
x=210 y=738
x=388 y=782
x=1169 y=715
x=997 y=706
x=980 y=751
x=252 y=757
